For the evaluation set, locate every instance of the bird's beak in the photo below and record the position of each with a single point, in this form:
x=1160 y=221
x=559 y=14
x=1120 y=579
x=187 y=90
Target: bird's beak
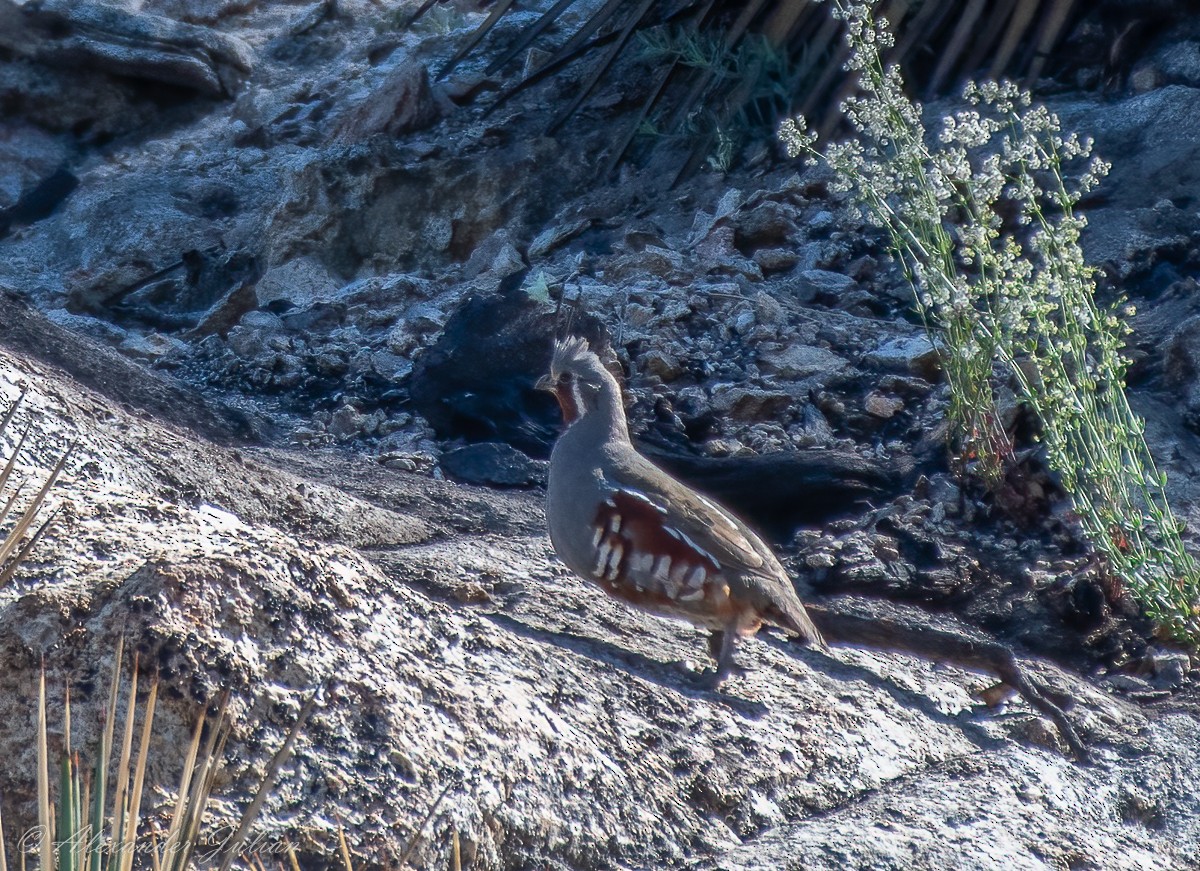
x=566 y=401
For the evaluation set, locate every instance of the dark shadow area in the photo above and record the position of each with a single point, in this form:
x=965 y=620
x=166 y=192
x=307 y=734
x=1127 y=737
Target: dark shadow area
x=125 y=382
x=668 y=675
x=846 y=671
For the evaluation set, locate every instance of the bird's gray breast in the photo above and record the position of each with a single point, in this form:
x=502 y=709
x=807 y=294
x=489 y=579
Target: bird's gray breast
x=573 y=491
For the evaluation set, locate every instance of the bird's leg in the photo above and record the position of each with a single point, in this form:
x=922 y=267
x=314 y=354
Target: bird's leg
x=722 y=644
x=716 y=640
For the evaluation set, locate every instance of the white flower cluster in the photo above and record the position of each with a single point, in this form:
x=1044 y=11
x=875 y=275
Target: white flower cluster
x=982 y=216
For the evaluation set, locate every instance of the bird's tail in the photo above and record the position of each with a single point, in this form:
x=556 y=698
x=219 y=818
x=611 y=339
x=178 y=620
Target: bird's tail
x=799 y=623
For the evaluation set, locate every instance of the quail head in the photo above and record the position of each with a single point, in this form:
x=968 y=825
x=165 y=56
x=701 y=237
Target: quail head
x=620 y=521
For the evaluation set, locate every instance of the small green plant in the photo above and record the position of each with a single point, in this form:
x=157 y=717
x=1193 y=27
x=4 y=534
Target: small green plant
x=1016 y=294
x=689 y=48
x=722 y=157
x=763 y=76
x=700 y=66
x=95 y=824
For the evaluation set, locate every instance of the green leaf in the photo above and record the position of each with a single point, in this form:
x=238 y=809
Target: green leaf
x=539 y=289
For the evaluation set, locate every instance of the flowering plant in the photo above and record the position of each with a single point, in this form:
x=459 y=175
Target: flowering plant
x=982 y=218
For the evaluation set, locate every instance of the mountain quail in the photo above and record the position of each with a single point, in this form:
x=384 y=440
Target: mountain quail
x=620 y=521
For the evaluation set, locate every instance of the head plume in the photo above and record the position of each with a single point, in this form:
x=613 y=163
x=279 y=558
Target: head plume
x=571 y=354
x=583 y=385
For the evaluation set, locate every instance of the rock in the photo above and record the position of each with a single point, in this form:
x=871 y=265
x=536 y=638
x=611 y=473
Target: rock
x=763 y=488
x=476 y=381
x=299 y=283
x=1169 y=667
x=492 y=464
x=750 y=403
x=88 y=109
x=390 y=366
x=1179 y=63
x=318 y=317
x=424 y=317
x=794 y=362
x=912 y=354
x=263 y=321
x=821 y=220
x=556 y=235
x=1152 y=158
x=198 y=11
x=152 y=346
x=1144 y=78
x=122 y=43
x=497 y=258
x=775 y=259
x=455 y=650
x=346 y=423
x=767 y=309
x=638 y=315
x=809 y=255
x=882 y=405
x=718 y=253
x=662 y=364
x=1181 y=369
x=651 y=260
x=703 y=222
x=331 y=364
x=905 y=386
x=820 y=283
x=85 y=325
x=767 y=225
x=29 y=160
x=416 y=324
x=816 y=427
x=945 y=492
x=603 y=295
x=820 y=561
x=1128 y=683
x=247 y=342
x=399 y=103
x=923 y=834
x=138 y=236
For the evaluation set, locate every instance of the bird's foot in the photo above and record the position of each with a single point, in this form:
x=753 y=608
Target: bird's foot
x=722 y=645
x=712 y=678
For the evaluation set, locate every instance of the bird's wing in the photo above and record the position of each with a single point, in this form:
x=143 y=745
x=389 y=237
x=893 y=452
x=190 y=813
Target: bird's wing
x=667 y=509
x=709 y=526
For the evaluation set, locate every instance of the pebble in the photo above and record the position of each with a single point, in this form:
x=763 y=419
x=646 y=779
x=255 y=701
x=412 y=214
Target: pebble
x=346 y=422
x=662 y=364
x=882 y=405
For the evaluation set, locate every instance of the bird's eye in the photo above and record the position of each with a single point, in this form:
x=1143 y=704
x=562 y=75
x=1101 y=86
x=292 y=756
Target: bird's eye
x=566 y=378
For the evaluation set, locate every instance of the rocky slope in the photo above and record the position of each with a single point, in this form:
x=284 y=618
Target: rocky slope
x=281 y=287
x=565 y=731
